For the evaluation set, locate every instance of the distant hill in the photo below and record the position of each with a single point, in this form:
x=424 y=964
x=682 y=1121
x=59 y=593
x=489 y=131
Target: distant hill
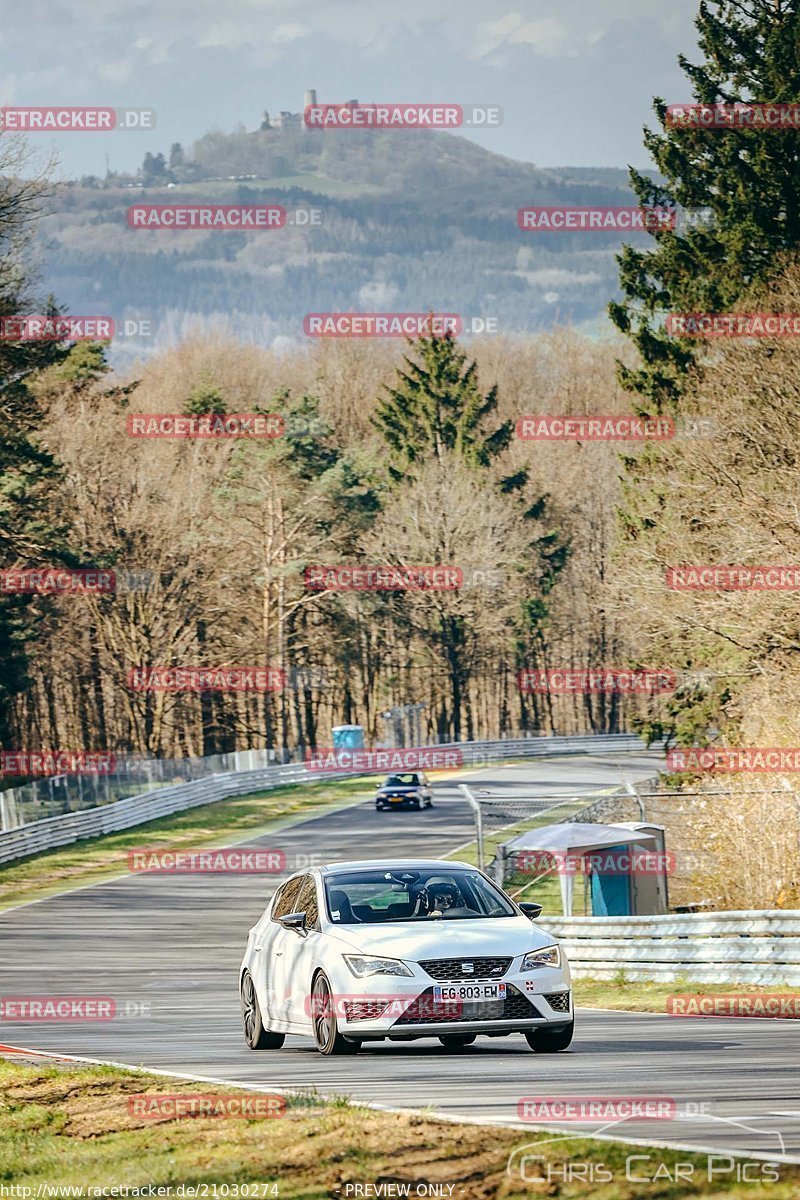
x=410 y=221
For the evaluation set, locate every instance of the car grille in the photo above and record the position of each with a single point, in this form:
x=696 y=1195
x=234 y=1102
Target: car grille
x=427 y=1011
x=453 y=968
x=559 y=1001
x=365 y=1010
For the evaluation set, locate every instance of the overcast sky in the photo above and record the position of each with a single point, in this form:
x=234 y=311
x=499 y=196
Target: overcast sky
x=575 y=79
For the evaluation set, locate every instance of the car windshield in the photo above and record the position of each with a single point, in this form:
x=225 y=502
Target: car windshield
x=402 y=781
x=398 y=895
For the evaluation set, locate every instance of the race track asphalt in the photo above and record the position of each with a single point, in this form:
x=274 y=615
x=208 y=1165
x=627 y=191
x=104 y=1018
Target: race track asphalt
x=167 y=949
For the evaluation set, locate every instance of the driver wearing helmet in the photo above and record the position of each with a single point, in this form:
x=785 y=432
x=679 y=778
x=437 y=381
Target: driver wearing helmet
x=440 y=897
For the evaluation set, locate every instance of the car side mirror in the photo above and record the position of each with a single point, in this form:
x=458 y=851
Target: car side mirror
x=532 y=911
x=296 y=922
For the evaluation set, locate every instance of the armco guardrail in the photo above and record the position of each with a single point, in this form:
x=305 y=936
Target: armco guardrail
x=132 y=775
x=721 y=947
x=136 y=810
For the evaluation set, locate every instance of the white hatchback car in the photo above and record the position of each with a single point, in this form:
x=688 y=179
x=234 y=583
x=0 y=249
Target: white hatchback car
x=398 y=949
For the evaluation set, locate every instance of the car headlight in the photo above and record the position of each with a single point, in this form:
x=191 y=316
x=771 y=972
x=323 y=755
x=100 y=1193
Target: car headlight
x=549 y=957
x=364 y=964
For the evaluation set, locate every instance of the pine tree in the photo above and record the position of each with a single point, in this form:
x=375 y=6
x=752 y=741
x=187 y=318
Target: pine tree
x=437 y=410
x=32 y=531
x=205 y=400
x=745 y=182
x=437 y=406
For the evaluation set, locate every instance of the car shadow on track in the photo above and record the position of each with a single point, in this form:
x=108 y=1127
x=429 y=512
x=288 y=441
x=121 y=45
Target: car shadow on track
x=612 y=1046
x=580 y=1046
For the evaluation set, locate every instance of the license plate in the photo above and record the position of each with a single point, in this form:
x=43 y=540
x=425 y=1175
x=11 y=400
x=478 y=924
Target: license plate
x=397 y=799
x=469 y=991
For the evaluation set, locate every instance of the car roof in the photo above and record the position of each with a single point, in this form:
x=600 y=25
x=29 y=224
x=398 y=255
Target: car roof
x=406 y=864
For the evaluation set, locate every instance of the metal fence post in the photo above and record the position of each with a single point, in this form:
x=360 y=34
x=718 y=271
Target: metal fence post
x=476 y=808
x=631 y=788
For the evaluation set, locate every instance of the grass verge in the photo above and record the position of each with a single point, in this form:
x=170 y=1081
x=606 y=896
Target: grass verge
x=651 y=996
x=65 y=1125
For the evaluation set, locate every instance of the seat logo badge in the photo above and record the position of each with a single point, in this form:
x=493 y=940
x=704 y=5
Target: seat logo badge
x=468 y=968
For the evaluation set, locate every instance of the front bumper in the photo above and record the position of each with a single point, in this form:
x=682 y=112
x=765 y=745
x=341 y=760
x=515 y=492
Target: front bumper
x=397 y=1007
x=400 y=801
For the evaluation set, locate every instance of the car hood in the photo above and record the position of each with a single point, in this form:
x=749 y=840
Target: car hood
x=445 y=939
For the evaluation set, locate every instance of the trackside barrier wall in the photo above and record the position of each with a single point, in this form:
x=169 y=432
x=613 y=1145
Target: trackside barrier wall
x=759 y=947
x=136 y=810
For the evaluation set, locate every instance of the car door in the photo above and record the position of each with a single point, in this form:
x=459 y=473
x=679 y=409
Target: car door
x=300 y=953
x=271 y=944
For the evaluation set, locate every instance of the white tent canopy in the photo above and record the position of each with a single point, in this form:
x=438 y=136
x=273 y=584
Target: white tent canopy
x=576 y=838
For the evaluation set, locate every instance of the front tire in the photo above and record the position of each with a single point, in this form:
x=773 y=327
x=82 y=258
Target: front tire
x=550 y=1041
x=326 y=1029
x=457 y=1041
x=256 y=1036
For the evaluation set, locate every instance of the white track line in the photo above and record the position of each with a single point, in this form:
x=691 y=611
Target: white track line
x=426 y=1114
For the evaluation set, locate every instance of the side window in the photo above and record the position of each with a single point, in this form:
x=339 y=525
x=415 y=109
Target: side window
x=285 y=901
x=307 y=902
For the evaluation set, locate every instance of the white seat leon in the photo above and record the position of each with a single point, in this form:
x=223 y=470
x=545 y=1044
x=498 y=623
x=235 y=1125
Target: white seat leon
x=401 y=949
